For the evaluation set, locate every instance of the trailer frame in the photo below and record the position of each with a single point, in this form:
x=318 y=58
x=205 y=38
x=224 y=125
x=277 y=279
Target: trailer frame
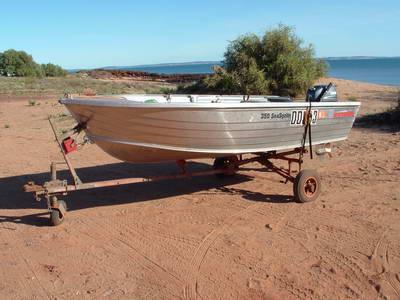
x=306 y=183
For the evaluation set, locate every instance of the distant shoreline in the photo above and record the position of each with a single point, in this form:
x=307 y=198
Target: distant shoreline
x=128 y=75
x=378 y=70
x=216 y=62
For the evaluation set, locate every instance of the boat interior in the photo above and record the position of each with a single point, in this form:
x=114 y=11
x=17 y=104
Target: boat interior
x=203 y=98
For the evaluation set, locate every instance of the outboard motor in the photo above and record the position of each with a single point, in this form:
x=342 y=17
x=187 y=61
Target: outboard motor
x=322 y=93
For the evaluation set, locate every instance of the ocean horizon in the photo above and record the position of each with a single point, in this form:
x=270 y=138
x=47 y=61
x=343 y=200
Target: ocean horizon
x=366 y=69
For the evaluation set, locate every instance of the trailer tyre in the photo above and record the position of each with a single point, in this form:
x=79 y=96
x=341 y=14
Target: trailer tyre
x=307 y=186
x=228 y=164
x=56 y=218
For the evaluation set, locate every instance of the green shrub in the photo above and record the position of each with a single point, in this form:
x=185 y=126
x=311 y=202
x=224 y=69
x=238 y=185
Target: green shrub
x=32 y=102
x=18 y=63
x=51 y=70
x=352 y=98
x=167 y=90
x=15 y=63
x=275 y=63
x=247 y=80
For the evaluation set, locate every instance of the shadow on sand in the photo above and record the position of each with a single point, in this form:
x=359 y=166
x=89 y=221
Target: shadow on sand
x=388 y=120
x=12 y=196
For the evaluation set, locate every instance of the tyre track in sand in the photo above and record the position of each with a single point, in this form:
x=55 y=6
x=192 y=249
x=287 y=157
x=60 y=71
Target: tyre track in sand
x=191 y=287
x=147 y=245
x=355 y=280
x=190 y=290
x=26 y=277
x=340 y=272
x=380 y=260
x=133 y=245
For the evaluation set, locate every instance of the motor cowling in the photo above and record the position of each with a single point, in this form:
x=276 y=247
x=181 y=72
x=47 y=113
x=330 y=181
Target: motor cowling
x=313 y=94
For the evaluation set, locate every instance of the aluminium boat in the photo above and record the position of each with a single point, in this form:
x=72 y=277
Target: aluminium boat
x=155 y=128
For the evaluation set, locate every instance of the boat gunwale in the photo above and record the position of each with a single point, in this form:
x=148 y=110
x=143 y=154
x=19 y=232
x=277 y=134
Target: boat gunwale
x=112 y=102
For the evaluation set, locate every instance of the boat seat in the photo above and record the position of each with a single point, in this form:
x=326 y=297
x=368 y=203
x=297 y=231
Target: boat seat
x=280 y=99
x=270 y=99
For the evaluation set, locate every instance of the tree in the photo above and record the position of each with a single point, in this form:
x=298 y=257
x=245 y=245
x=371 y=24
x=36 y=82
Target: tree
x=275 y=63
x=20 y=63
x=52 y=70
x=246 y=80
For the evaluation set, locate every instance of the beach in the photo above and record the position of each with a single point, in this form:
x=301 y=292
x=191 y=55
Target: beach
x=238 y=238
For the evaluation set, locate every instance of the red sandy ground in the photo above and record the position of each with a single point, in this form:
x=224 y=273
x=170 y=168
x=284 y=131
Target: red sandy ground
x=240 y=238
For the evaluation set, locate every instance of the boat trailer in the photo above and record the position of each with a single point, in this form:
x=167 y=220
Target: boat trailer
x=306 y=183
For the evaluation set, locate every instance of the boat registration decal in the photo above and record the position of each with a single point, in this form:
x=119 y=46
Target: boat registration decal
x=297 y=117
x=344 y=114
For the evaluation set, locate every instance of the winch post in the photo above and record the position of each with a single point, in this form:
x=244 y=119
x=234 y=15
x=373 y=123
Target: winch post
x=53 y=170
x=75 y=176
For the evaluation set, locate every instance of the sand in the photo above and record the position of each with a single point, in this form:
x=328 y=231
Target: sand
x=239 y=238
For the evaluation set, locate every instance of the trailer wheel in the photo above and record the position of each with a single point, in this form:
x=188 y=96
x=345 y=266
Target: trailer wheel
x=56 y=217
x=307 y=186
x=228 y=164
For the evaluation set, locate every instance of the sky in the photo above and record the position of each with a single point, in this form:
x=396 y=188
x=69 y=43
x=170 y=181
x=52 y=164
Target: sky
x=88 y=34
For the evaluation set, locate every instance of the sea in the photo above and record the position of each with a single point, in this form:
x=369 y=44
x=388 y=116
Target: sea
x=374 y=70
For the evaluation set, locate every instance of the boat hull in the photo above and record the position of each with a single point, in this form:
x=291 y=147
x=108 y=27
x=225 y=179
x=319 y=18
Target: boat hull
x=152 y=133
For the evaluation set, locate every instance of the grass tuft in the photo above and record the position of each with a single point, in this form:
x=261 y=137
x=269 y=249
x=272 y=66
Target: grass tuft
x=352 y=98
x=32 y=102
x=166 y=90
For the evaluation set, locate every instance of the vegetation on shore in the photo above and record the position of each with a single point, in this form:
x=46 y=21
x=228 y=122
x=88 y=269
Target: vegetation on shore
x=140 y=76
x=276 y=63
x=390 y=118
x=20 y=75
x=73 y=84
x=15 y=63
